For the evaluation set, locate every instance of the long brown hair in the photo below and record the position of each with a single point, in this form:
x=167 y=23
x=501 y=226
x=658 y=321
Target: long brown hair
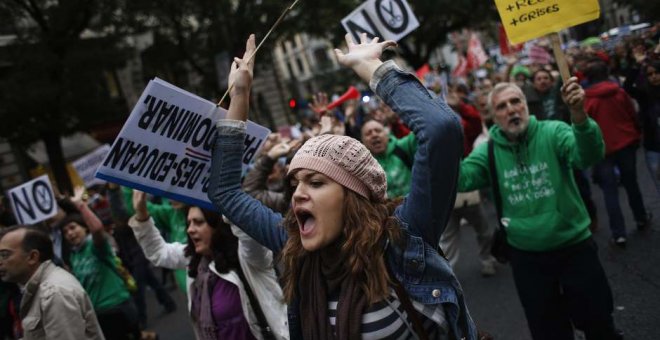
x=366 y=225
x=224 y=245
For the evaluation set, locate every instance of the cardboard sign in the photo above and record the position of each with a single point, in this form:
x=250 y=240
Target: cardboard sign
x=164 y=147
x=386 y=19
x=86 y=165
x=33 y=201
x=528 y=19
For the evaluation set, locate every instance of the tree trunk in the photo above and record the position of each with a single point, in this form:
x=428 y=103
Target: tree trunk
x=57 y=162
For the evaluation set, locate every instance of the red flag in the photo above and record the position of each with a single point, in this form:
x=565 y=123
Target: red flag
x=505 y=46
x=461 y=68
x=475 y=53
x=422 y=71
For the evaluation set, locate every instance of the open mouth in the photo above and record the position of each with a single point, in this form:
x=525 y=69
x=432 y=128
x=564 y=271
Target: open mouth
x=515 y=121
x=306 y=221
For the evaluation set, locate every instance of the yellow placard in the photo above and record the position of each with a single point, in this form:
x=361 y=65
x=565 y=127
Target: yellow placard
x=528 y=19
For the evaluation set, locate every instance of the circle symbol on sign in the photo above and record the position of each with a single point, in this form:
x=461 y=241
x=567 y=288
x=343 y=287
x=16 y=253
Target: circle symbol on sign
x=43 y=197
x=395 y=16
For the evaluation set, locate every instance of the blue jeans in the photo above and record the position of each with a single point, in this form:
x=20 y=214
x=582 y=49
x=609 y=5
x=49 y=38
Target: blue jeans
x=626 y=161
x=653 y=163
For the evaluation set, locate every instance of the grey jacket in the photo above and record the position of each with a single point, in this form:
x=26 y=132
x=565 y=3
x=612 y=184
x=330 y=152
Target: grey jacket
x=55 y=306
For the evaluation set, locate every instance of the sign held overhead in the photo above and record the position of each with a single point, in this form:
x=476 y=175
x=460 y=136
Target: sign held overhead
x=529 y=19
x=33 y=201
x=386 y=19
x=165 y=146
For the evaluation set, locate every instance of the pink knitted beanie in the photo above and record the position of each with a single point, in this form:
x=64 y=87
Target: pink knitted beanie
x=346 y=161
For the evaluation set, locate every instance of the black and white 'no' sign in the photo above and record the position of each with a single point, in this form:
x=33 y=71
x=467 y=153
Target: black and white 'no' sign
x=33 y=201
x=386 y=19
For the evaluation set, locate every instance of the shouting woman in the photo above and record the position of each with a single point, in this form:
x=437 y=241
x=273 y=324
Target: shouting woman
x=356 y=265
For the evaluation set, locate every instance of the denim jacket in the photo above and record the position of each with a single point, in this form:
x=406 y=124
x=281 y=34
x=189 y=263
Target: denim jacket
x=426 y=276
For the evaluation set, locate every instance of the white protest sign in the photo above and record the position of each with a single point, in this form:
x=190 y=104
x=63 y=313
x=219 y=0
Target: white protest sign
x=86 y=165
x=164 y=147
x=387 y=19
x=34 y=201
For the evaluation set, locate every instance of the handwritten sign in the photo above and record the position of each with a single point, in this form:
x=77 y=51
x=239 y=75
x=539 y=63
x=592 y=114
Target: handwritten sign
x=386 y=19
x=528 y=19
x=164 y=147
x=33 y=201
x=86 y=165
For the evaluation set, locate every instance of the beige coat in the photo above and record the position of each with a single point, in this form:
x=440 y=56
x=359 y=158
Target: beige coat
x=55 y=307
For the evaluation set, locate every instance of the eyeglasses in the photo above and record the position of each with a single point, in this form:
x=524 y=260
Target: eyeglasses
x=5 y=254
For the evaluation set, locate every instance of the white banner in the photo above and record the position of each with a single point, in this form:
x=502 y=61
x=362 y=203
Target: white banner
x=86 y=165
x=33 y=201
x=164 y=147
x=387 y=19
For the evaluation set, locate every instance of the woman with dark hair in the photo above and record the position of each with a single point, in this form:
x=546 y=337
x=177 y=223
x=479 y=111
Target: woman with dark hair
x=92 y=262
x=232 y=288
x=356 y=265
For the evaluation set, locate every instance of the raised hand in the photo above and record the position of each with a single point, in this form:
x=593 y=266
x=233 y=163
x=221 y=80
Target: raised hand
x=573 y=95
x=140 y=205
x=363 y=58
x=319 y=103
x=242 y=69
x=279 y=150
x=79 y=195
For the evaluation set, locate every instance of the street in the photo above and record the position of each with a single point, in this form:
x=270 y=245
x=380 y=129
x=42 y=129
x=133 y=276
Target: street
x=634 y=275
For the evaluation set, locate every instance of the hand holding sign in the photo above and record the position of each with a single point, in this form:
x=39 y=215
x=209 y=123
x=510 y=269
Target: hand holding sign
x=530 y=19
x=573 y=95
x=242 y=70
x=240 y=77
x=363 y=58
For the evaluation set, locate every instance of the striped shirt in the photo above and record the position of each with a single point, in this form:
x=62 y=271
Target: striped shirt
x=388 y=319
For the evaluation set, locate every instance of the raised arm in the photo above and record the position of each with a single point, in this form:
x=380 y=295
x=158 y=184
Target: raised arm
x=93 y=222
x=255 y=181
x=160 y=253
x=584 y=145
x=437 y=129
x=258 y=221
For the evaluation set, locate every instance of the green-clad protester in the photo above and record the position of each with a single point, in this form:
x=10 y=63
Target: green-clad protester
x=93 y=263
x=395 y=155
x=170 y=219
x=558 y=274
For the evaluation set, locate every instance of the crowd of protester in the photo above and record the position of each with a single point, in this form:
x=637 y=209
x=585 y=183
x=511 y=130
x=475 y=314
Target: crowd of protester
x=326 y=237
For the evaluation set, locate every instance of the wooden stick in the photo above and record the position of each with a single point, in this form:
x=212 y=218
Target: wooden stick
x=560 y=58
x=286 y=11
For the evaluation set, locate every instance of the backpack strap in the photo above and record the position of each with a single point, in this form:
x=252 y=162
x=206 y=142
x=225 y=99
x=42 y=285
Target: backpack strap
x=266 y=331
x=497 y=197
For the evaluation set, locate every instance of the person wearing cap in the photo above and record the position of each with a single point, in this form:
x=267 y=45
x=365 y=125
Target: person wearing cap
x=350 y=253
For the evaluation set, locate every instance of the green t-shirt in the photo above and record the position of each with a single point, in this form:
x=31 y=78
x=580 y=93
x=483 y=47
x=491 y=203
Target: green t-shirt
x=92 y=267
x=399 y=175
